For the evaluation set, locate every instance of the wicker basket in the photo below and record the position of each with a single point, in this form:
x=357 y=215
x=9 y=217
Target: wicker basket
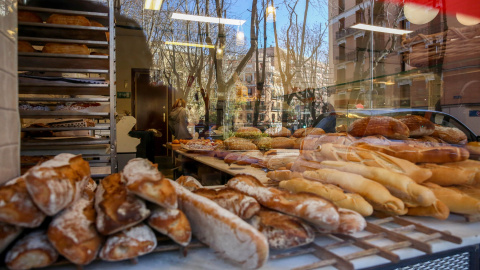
x=455 y=44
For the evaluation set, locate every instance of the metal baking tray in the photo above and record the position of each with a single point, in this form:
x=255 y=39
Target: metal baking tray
x=63 y=114
x=63 y=88
x=42 y=61
x=64 y=11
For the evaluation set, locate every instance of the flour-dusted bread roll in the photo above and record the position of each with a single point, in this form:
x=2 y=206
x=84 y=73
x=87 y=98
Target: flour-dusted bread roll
x=350 y=222
x=116 y=208
x=56 y=183
x=73 y=232
x=129 y=243
x=16 y=205
x=239 y=204
x=379 y=125
x=307 y=206
x=172 y=223
x=60 y=48
x=223 y=231
x=278 y=132
x=8 y=233
x=32 y=251
x=417 y=125
x=68 y=19
x=282 y=231
x=144 y=179
x=189 y=182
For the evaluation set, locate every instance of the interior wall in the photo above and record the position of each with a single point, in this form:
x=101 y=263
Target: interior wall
x=9 y=117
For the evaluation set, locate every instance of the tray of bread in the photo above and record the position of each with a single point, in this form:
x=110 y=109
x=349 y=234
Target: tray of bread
x=200 y=145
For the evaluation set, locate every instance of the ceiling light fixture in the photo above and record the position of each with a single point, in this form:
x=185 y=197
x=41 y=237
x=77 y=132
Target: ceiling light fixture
x=189 y=44
x=419 y=14
x=467 y=20
x=380 y=29
x=153 y=4
x=196 y=18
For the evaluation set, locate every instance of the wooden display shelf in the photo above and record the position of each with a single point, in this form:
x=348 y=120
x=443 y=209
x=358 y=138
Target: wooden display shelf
x=63 y=11
x=42 y=40
x=81 y=63
x=63 y=88
x=62 y=114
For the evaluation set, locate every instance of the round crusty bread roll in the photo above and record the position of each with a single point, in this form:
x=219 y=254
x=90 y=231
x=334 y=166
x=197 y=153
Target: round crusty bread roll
x=379 y=125
x=69 y=20
x=66 y=48
x=27 y=16
x=248 y=132
x=417 y=125
x=450 y=135
x=278 y=132
x=473 y=148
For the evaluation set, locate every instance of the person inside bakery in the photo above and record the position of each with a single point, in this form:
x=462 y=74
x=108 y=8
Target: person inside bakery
x=328 y=120
x=178 y=120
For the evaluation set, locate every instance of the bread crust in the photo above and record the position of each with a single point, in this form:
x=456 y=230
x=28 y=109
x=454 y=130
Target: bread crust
x=8 y=233
x=68 y=20
x=239 y=204
x=448 y=176
x=379 y=125
x=59 y=48
x=312 y=142
x=189 y=182
x=28 y=16
x=437 y=210
x=417 y=125
x=282 y=143
x=236 y=143
x=278 y=132
x=455 y=200
x=450 y=135
x=32 y=251
x=172 y=223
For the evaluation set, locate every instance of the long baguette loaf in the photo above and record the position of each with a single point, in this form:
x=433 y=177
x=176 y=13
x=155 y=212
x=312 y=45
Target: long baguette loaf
x=350 y=222
x=437 y=210
x=370 y=158
x=300 y=165
x=280 y=175
x=470 y=191
x=469 y=164
x=330 y=192
x=401 y=186
x=223 y=231
x=457 y=201
x=241 y=205
x=282 y=231
x=448 y=176
x=419 y=154
x=144 y=180
x=307 y=206
x=376 y=194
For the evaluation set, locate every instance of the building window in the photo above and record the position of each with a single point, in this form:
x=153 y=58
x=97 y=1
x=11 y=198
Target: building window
x=250 y=91
x=360 y=16
x=340 y=75
x=341 y=6
x=358 y=2
x=341 y=26
x=341 y=52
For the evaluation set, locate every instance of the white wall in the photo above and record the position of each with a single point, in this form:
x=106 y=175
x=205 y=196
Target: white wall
x=9 y=118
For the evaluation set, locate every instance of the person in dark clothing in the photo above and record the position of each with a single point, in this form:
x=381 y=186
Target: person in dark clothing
x=178 y=120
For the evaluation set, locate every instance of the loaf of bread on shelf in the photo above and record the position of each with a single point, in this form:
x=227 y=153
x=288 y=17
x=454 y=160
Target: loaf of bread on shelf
x=73 y=232
x=401 y=186
x=371 y=158
x=438 y=210
x=417 y=125
x=28 y=16
x=312 y=142
x=350 y=222
x=282 y=231
x=421 y=154
x=448 y=176
x=376 y=194
x=144 y=180
x=248 y=132
x=470 y=165
x=32 y=251
x=456 y=200
x=276 y=162
x=129 y=243
x=117 y=209
x=280 y=175
x=8 y=233
x=330 y=192
x=68 y=20
x=426 y=141
x=223 y=231
x=56 y=183
x=189 y=182
x=304 y=132
x=450 y=135
x=469 y=190
x=25 y=46
x=278 y=132
x=241 y=205
x=236 y=143
x=301 y=165
x=60 y=48
x=172 y=223
x=473 y=148
x=379 y=125
x=97 y=24
x=263 y=143
x=16 y=205
x=282 y=143
x=307 y=206
x=250 y=157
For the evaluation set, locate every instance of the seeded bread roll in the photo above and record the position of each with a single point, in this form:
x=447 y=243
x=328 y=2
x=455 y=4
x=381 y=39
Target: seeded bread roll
x=239 y=204
x=172 y=223
x=236 y=143
x=417 y=125
x=379 y=125
x=32 y=251
x=248 y=132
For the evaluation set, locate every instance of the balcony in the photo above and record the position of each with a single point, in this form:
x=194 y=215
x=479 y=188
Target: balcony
x=351 y=57
x=346 y=32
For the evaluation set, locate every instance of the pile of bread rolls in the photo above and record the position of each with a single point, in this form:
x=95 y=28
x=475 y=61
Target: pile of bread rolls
x=427 y=173
x=62 y=211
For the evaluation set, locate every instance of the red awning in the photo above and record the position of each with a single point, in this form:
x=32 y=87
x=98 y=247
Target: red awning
x=451 y=7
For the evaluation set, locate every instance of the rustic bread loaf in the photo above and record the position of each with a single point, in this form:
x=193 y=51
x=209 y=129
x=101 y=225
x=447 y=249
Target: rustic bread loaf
x=236 y=143
x=189 y=182
x=24 y=46
x=8 y=233
x=16 y=205
x=129 y=243
x=248 y=132
x=263 y=143
x=278 y=132
x=417 y=125
x=282 y=231
x=172 y=223
x=68 y=19
x=32 y=251
x=304 y=132
x=350 y=222
x=239 y=204
x=450 y=135
x=280 y=175
x=223 y=231
x=379 y=125
x=59 y=48
x=116 y=208
x=282 y=143
x=312 y=142
x=144 y=180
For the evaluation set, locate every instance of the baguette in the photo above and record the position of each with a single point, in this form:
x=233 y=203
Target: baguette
x=17 y=207
x=350 y=222
x=455 y=200
x=470 y=191
x=116 y=208
x=280 y=175
x=419 y=154
x=278 y=161
x=379 y=125
x=448 y=176
x=239 y=204
x=330 y=192
x=376 y=194
x=370 y=158
x=278 y=132
x=223 y=231
x=172 y=223
x=307 y=206
x=399 y=185
x=130 y=243
x=469 y=164
x=301 y=165
x=144 y=180
x=32 y=251
x=417 y=125
x=437 y=210
x=282 y=231
x=8 y=233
